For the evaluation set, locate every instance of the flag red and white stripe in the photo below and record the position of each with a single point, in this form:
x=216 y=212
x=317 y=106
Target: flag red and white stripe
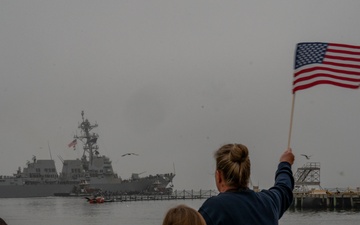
x=326 y=63
x=72 y=144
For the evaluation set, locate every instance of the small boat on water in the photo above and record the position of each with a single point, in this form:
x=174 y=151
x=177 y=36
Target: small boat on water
x=100 y=197
x=40 y=177
x=96 y=200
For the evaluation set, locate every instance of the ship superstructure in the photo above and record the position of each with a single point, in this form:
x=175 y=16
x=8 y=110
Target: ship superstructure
x=92 y=167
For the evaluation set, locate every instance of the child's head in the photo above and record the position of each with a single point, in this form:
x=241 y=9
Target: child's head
x=183 y=215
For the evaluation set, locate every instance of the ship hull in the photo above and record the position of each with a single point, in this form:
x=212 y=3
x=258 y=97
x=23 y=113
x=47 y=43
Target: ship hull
x=143 y=185
x=38 y=190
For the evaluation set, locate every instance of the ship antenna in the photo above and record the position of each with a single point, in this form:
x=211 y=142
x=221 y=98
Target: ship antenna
x=89 y=140
x=49 y=150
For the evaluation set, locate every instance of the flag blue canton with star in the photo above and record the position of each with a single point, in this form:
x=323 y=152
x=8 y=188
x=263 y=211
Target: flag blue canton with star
x=309 y=53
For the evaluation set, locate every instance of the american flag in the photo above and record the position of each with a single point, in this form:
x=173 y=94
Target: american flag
x=326 y=63
x=72 y=144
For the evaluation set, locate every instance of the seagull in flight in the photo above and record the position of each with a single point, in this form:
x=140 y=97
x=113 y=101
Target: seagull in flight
x=306 y=156
x=130 y=153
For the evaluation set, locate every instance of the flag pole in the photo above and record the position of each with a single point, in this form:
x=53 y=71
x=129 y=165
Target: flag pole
x=291 y=118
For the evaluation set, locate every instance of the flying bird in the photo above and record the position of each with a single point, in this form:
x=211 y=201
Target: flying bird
x=306 y=156
x=130 y=153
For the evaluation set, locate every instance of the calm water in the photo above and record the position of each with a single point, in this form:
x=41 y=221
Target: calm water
x=57 y=210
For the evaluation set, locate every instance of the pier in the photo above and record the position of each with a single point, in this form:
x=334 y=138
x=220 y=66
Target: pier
x=333 y=199
x=309 y=194
x=176 y=195
x=327 y=199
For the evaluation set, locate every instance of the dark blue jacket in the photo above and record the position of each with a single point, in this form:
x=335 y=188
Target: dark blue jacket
x=249 y=207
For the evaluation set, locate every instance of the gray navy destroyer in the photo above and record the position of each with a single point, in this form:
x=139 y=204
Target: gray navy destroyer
x=40 y=178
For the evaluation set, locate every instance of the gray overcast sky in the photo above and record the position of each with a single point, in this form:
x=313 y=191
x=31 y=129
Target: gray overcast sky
x=173 y=81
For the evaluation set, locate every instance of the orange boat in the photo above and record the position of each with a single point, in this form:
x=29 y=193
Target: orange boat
x=94 y=200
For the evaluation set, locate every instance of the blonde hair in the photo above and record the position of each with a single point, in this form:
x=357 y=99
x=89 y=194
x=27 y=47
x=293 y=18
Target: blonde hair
x=183 y=215
x=234 y=162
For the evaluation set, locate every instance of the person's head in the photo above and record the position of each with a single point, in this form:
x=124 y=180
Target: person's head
x=183 y=215
x=232 y=167
x=2 y=222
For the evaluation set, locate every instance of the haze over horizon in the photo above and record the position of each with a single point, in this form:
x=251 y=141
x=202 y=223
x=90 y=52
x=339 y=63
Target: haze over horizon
x=173 y=81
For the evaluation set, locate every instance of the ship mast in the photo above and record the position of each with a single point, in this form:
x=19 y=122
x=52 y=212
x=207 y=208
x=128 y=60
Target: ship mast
x=88 y=139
